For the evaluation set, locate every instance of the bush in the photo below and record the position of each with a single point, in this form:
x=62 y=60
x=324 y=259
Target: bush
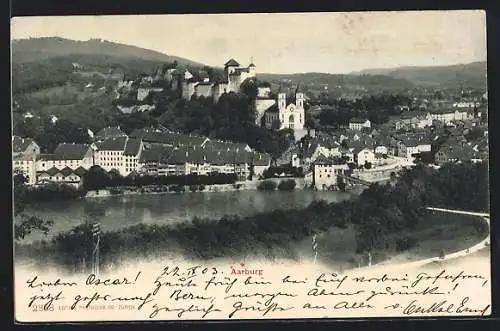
x=201 y=187
x=405 y=243
x=114 y=191
x=178 y=188
x=193 y=188
x=267 y=185
x=287 y=185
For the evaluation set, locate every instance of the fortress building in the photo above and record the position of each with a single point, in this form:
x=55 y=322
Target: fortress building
x=234 y=76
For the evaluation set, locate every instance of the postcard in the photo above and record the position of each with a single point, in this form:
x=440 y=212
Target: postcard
x=250 y=166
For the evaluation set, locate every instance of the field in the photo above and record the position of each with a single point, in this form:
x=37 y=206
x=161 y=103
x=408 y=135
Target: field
x=57 y=100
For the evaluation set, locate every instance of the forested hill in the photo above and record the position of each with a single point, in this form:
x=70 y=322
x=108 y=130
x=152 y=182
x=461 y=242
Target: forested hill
x=471 y=74
x=334 y=80
x=35 y=49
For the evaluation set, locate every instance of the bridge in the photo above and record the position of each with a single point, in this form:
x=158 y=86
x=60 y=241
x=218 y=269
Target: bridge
x=454 y=211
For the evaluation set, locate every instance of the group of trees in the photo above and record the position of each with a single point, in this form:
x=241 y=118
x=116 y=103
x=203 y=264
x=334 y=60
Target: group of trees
x=48 y=134
x=97 y=178
x=24 y=195
x=376 y=107
x=287 y=169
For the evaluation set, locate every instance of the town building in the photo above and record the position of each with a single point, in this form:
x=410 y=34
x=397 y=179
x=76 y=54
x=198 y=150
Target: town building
x=458 y=153
x=108 y=132
x=358 y=124
x=24 y=146
x=68 y=155
x=24 y=154
x=118 y=153
x=324 y=172
x=66 y=175
x=144 y=91
x=364 y=156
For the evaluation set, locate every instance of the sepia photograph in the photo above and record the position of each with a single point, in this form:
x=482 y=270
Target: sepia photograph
x=280 y=165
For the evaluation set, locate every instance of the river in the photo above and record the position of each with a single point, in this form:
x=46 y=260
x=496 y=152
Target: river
x=119 y=212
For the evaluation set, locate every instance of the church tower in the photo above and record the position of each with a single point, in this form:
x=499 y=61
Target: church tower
x=299 y=97
x=281 y=100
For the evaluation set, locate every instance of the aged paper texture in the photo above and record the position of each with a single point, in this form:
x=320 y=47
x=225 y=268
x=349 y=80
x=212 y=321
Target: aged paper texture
x=250 y=166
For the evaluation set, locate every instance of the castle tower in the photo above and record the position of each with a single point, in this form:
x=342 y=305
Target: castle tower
x=230 y=67
x=299 y=97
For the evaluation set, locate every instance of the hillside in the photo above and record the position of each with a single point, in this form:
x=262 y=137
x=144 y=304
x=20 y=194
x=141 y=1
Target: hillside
x=35 y=49
x=470 y=75
x=39 y=63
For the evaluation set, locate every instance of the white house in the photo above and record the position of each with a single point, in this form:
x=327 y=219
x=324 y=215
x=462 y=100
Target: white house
x=448 y=116
x=143 y=92
x=109 y=154
x=324 y=172
x=381 y=149
x=358 y=124
x=364 y=156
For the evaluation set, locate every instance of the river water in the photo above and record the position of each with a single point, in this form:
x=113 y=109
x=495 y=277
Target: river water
x=119 y=212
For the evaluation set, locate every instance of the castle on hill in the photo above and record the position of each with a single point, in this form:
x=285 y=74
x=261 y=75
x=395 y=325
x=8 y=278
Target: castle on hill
x=284 y=112
x=234 y=76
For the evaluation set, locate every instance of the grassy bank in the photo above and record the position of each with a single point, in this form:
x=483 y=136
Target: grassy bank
x=434 y=232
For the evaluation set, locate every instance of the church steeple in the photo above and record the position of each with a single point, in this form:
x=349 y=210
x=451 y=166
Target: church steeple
x=299 y=97
x=298 y=89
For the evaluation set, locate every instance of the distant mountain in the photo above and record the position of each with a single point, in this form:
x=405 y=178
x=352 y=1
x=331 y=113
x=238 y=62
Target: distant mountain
x=35 y=49
x=470 y=74
x=378 y=82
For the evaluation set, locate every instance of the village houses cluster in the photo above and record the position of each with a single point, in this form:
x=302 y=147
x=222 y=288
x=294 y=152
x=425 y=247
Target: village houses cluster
x=357 y=151
x=373 y=154
x=149 y=151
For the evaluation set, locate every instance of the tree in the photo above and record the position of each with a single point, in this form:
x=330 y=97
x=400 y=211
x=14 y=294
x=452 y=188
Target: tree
x=368 y=165
x=24 y=224
x=341 y=183
x=95 y=178
x=276 y=124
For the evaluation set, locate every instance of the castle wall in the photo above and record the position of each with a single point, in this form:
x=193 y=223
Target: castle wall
x=188 y=90
x=204 y=90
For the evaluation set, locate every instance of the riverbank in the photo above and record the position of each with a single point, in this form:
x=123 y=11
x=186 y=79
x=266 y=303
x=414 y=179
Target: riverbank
x=175 y=189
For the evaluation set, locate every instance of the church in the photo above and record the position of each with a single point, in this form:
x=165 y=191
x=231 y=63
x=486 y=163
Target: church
x=286 y=113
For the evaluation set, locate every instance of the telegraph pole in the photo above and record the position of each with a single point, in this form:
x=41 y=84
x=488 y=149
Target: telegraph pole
x=96 y=237
x=314 y=248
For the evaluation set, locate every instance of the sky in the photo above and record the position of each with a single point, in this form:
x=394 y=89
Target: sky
x=288 y=42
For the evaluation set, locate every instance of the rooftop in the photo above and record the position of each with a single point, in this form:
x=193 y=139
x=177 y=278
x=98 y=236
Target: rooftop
x=70 y=151
x=232 y=63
